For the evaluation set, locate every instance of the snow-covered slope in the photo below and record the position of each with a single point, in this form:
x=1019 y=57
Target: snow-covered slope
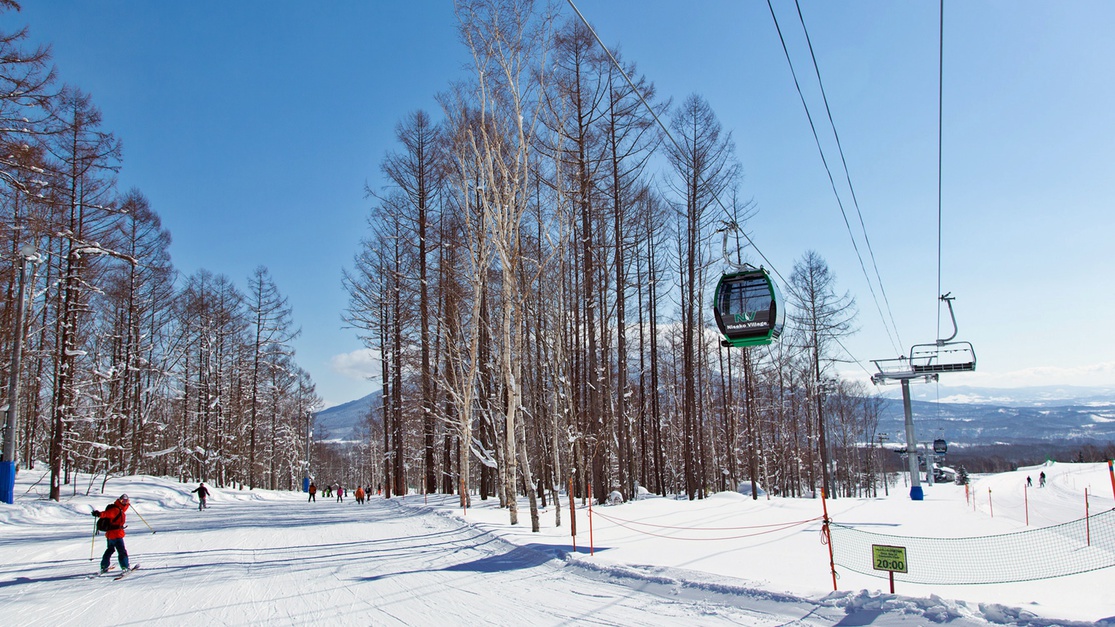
x=261 y=557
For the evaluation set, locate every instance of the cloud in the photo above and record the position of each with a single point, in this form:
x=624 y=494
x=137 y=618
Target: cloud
x=1089 y=375
x=359 y=365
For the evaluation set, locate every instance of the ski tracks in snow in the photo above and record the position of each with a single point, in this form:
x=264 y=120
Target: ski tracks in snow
x=384 y=563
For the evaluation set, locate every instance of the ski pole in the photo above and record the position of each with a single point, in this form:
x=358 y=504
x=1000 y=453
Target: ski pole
x=93 y=541
x=144 y=520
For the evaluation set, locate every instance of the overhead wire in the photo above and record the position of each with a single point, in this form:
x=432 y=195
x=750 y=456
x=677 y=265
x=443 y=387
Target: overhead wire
x=847 y=224
x=666 y=131
x=940 y=144
x=852 y=191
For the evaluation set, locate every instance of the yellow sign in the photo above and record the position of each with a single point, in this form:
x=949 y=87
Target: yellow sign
x=892 y=558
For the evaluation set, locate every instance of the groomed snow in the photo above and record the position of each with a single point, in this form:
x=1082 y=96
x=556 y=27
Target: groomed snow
x=262 y=557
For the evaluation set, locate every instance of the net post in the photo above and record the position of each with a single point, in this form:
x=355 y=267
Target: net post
x=1111 y=471
x=591 y=544
x=826 y=533
x=1087 y=521
x=572 y=515
x=1026 y=501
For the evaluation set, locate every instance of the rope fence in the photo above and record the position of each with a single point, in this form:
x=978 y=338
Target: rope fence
x=636 y=527
x=1070 y=548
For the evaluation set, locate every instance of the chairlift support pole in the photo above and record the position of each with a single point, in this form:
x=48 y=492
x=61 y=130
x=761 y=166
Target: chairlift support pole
x=925 y=365
x=916 y=493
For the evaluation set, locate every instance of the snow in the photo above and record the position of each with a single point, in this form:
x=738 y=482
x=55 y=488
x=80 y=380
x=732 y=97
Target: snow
x=264 y=557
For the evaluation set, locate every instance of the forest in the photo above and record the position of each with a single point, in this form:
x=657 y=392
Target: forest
x=536 y=279
x=114 y=362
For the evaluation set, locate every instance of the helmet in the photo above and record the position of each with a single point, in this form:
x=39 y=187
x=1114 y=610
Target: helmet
x=123 y=498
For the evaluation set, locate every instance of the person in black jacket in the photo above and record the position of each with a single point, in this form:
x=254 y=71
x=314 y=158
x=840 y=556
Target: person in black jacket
x=202 y=494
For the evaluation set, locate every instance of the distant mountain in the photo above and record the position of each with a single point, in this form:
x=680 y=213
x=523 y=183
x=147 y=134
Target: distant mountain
x=965 y=416
x=1042 y=396
x=975 y=424
x=342 y=421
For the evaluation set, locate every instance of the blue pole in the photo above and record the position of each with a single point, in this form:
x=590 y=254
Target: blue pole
x=7 y=482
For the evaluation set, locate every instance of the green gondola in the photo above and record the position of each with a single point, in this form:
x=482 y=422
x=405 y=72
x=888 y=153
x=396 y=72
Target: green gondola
x=749 y=308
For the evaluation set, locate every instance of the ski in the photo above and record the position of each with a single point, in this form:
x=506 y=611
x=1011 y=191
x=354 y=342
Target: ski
x=125 y=573
x=99 y=573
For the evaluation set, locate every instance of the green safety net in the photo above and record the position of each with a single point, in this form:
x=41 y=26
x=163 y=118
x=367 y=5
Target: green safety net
x=1067 y=549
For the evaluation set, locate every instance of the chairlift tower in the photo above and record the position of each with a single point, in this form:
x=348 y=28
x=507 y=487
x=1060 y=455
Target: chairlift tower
x=925 y=362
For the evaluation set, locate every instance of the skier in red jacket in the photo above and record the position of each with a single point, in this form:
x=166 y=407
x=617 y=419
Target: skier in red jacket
x=115 y=514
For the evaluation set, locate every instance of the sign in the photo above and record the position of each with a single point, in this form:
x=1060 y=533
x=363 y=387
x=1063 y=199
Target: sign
x=892 y=558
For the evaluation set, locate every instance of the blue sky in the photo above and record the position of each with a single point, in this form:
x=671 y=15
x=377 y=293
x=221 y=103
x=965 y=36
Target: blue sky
x=253 y=127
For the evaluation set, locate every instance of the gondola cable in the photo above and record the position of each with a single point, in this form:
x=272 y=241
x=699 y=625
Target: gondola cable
x=770 y=331
x=828 y=170
x=665 y=130
x=852 y=191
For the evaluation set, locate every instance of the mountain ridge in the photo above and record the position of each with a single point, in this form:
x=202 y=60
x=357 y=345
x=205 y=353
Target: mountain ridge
x=963 y=415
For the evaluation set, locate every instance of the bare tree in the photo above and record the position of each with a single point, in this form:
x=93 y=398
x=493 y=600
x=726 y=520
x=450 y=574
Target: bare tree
x=825 y=317
x=703 y=161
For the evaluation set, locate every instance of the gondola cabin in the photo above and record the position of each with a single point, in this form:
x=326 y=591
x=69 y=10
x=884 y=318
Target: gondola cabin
x=748 y=308
x=940 y=446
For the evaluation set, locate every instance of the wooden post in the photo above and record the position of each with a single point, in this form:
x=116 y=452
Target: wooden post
x=572 y=515
x=827 y=533
x=1087 y=521
x=591 y=545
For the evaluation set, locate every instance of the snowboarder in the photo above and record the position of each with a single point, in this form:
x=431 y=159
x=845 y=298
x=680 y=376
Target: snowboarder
x=202 y=494
x=115 y=514
x=1041 y=479
x=313 y=493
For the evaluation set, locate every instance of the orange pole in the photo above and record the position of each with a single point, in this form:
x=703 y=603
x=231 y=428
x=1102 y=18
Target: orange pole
x=591 y=545
x=827 y=533
x=1111 y=471
x=990 y=506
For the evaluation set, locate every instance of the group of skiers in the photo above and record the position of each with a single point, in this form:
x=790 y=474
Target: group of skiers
x=362 y=495
x=116 y=519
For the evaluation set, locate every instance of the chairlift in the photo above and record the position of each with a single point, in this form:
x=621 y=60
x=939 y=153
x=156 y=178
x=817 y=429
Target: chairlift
x=930 y=360
x=945 y=355
x=747 y=304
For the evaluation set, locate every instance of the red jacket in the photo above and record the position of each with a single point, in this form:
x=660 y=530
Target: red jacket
x=117 y=517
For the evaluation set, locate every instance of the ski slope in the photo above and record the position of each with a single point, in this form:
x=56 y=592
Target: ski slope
x=263 y=557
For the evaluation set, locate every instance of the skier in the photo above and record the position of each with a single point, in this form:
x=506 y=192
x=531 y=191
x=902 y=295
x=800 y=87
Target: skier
x=359 y=494
x=1029 y=481
x=202 y=494
x=115 y=534
x=313 y=493
x=340 y=494
x=1041 y=479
